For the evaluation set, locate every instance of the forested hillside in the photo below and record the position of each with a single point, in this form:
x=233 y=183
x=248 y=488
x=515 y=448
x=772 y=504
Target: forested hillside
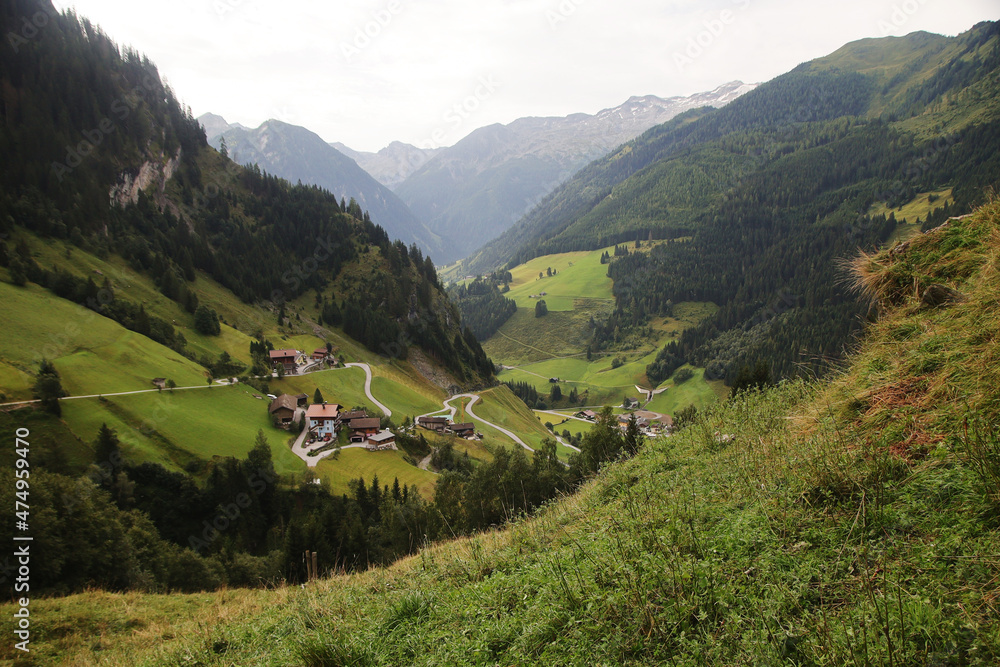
x=98 y=151
x=759 y=200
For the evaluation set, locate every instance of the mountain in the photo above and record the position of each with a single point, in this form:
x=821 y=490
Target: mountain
x=299 y=155
x=391 y=165
x=754 y=204
x=119 y=168
x=215 y=125
x=471 y=192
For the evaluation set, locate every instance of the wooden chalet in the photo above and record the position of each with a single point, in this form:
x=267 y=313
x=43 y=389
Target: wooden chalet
x=437 y=424
x=348 y=415
x=362 y=429
x=463 y=430
x=286 y=358
x=282 y=409
x=382 y=440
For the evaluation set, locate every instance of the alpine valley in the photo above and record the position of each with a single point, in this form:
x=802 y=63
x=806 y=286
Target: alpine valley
x=693 y=380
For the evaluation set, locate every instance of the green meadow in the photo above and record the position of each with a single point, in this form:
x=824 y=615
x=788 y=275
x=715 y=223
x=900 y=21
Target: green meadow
x=578 y=275
x=695 y=391
x=184 y=428
x=345 y=386
x=93 y=354
x=387 y=465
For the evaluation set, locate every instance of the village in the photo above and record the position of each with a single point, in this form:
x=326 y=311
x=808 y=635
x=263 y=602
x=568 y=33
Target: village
x=325 y=427
x=324 y=423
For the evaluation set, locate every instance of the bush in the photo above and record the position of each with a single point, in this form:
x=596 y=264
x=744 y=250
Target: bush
x=683 y=375
x=206 y=321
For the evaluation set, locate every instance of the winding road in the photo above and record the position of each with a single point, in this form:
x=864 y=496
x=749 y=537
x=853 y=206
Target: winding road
x=468 y=408
x=368 y=387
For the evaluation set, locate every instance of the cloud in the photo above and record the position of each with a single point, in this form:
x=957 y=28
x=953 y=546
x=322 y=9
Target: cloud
x=369 y=72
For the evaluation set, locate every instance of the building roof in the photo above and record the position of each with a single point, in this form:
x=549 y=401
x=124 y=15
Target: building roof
x=283 y=354
x=432 y=420
x=382 y=436
x=467 y=426
x=301 y=396
x=284 y=401
x=324 y=411
x=319 y=350
x=348 y=415
x=365 y=423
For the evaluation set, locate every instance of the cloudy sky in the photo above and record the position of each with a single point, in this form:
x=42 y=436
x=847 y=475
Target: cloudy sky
x=428 y=72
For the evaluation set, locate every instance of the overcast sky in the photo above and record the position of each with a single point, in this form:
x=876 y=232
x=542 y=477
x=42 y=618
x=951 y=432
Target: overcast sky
x=428 y=72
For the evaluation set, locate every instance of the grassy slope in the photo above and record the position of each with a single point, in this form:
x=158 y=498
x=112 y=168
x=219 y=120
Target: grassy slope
x=97 y=356
x=94 y=354
x=607 y=386
x=844 y=524
x=175 y=428
x=499 y=406
x=553 y=345
x=578 y=275
x=354 y=463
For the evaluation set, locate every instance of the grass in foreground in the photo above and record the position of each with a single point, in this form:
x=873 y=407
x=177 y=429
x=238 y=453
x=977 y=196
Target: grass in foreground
x=848 y=523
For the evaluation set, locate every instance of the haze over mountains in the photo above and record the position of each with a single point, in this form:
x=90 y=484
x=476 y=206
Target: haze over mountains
x=462 y=196
x=473 y=191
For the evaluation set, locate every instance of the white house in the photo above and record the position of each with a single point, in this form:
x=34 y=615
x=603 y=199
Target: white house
x=322 y=419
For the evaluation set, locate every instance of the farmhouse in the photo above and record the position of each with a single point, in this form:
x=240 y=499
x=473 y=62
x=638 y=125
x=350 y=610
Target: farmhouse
x=322 y=419
x=586 y=414
x=437 y=424
x=347 y=416
x=382 y=440
x=630 y=403
x=319 y=353
x=463 y=430
x=282 y=409
x=284 y=357
x=160 y=383
x=364 y=428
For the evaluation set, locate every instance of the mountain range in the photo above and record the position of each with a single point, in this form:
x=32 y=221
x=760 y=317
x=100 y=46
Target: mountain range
x=753 y=206
x=471 y=192
x=464 y=195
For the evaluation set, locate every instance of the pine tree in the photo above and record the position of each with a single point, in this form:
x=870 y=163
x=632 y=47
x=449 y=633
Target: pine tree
x=48 y=388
